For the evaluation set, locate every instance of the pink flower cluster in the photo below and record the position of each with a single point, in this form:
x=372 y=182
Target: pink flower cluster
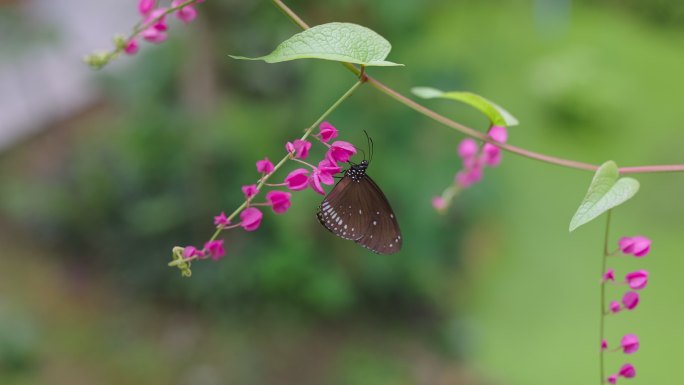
x=321 y=174
x=474 y=159
x=637 y=280
x=280 y=201
x=154 y=19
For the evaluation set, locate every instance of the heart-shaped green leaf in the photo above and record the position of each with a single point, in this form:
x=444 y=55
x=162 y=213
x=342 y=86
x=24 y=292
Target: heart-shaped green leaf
x=606 y=191
x=496 y=114
x=344 y=42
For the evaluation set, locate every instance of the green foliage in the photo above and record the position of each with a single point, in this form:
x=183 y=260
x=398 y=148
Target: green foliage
x=344 y=42
x=497 y=115
x=606 y=191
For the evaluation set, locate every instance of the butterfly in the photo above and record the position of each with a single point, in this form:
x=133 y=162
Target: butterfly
x=357 y=210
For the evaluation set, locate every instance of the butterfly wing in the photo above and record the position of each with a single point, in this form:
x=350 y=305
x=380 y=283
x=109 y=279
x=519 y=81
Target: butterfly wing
x=339 y=211
x=382 y=234
x=359 y=211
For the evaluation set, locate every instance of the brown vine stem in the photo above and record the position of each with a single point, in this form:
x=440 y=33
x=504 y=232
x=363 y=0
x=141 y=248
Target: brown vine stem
x=472 y=132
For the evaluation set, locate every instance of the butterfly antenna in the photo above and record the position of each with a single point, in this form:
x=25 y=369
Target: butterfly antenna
x=370 y=145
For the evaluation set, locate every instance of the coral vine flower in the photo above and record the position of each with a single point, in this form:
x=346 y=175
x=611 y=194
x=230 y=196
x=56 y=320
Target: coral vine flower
x=146 y=6
x=638 y=246
x=604 y=344
x=614 y=307
x=185 y=14
x=298 y=179
x=491 y=155
x=612 y=379
x=264 y=166
x=609 y=275
x=279 y=201
x=630 y=300
x=326 y=132
x=154 y=35
x=157 y=16
x=498 y=133
x=250 y=190
x=251 y=218
x=301 y=148
x=221 y=220
x=637 y=280
x=630 y=343
x=438 y=203
x=341 y=151
x=319 y=177
x=627 y=371
x=215 y=249
x=191 y=251
x=329 y=167
x=131 y=47
x=467 y=148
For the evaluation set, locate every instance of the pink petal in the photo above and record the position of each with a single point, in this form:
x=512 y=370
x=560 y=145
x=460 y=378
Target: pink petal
x=221 y=220
x=264 y=166
x=301 y=148
x=327 y=132
x=298 y=179
x=131 y=47
x=215 y=249
x=612 y=379
x=637 y=280
x=641 y=246
x=467 y=148
x=629 y=343
x=341 y=151
x=145 y=6
x=614 y=307
x=251 y=218
x=627 y=371
x=498 y=133
x=438 y=203
x=491 y=155
x=609 y=275
x=153 y=35
x=630 y=300
x=279 y=200
x=315 y=183
x=604 y=344
x=250 y=190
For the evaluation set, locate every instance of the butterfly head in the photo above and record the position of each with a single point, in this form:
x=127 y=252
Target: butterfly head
x=357 y=171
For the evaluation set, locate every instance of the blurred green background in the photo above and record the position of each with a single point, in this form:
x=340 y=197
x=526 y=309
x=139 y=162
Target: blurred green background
x=494 y=292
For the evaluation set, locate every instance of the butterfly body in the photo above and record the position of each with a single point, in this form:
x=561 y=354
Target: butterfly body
x=356 y=209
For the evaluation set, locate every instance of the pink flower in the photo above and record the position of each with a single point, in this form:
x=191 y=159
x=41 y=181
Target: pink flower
x=298 y=179
x=467 y=148
x=329 y=167
x=251 y=218
x=498 y=133
x=630 y=300
x=185 y=14
x=264 y=166
x=154 y=35
x=638 y=246
x=145 y=6
x=491 y=155
x=466 y=178
x=221 y=220
x=612 y=379
x=131 y=47
x=627 y=371
x=614 y=307
x=630 y=343
x=158 y=17
x=279 y=201
x=604 y=344
x=609 y=275
x=637 y=280
x=317 y=178
x=341 y=151
x=215 y=249
x=326 y=132
x=301 y=148
x=191 y=251
x=250 y=190
x=438 y=203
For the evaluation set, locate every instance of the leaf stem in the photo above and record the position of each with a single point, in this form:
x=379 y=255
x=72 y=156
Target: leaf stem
x=472 y=132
